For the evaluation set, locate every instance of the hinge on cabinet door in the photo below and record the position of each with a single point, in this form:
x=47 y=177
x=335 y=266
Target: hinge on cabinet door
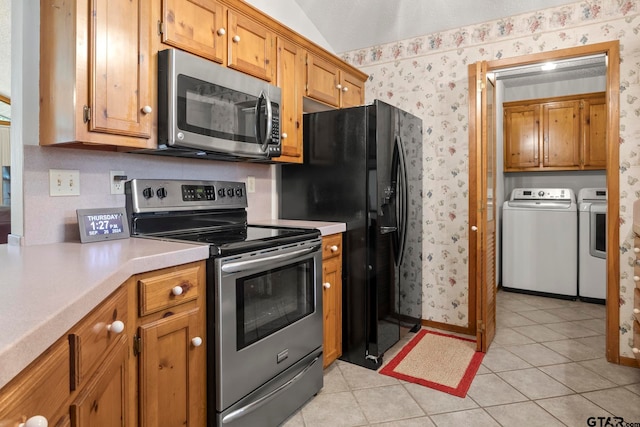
x=162 y=28
x=86 y=113
x=137 y=345
x=481 y=326
x=479 y=85
x=581 y=105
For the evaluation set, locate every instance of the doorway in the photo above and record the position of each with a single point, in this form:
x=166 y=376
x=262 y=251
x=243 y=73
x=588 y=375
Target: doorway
x=479 y=313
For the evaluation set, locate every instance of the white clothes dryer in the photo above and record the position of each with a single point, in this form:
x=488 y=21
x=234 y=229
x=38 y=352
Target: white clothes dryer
x=539 y=242
x=592 y=245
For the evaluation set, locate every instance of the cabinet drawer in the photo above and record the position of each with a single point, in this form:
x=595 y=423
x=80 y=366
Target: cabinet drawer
x=92 y=338
x=331 y=246
x=41 y=389
x=157 y=289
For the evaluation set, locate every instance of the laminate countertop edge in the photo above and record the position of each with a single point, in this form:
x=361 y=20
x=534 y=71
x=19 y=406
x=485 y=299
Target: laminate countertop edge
x=47 y=289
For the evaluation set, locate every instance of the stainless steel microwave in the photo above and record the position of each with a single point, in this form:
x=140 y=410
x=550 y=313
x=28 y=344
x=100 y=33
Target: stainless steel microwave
x=207 y=110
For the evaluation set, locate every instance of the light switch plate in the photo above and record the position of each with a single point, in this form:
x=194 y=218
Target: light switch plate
x=64 y=182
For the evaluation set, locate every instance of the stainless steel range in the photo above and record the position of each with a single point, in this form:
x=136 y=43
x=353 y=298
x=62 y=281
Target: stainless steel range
x=264 y=299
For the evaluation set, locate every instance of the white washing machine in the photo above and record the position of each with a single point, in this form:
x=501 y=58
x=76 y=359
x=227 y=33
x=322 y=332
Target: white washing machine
x=592 y=244
x=539 y=242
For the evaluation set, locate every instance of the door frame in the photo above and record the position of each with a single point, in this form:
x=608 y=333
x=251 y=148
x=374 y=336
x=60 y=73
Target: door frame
x=612 y=51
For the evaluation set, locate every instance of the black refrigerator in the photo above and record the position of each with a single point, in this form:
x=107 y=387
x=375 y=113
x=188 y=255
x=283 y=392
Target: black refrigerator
x=363 y=166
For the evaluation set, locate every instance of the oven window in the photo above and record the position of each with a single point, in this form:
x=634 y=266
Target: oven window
x=213 y=110
x=270 y=301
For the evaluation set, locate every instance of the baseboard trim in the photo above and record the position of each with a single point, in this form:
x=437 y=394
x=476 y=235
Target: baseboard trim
x=466 y=330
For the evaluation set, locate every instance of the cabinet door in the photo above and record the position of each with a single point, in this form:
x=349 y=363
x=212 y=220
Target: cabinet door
x=119 y=67
x=521 y=137
x=322 y=81
x=172 y=372
x=352 y=90
x=41 y=389
x=290 y=81
x=252 y=48
x=103 y=402
x=196 y=26
x=332 y=309
x=561 y=146
x=595 y=134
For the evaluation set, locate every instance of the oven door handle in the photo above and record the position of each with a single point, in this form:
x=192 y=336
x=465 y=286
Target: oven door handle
x=232 y=416
x=234 y=267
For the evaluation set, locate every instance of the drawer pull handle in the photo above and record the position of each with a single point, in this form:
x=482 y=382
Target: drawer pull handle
x=635 y=350
x=197 y=341
x=236 y=39
x=636 y=278
x=326 y=285
x=334 y=248
x=116 y=327
x=35 y=421
x=177 y=290
x=222 y=32
x=636 y=311
x=147 y=109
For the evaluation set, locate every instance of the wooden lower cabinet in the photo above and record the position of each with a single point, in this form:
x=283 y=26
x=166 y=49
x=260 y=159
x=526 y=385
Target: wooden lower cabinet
x=104 y=401
x=332 y=297
x=118 y=367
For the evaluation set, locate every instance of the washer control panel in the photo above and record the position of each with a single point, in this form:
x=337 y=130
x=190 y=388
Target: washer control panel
x=542 y=194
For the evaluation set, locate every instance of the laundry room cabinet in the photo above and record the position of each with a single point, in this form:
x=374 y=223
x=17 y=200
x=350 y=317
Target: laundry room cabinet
x=636 y=279
x=563 y=133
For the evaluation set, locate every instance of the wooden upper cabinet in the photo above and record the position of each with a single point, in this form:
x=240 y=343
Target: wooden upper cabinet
x=196 y=26
x=252 y=47
x=95 y=63
x=561 y=134
x=521 y=136
x=291 y=83
x=594 y=120
x=329 y=84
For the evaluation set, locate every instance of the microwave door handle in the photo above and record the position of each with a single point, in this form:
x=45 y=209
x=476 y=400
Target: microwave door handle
x=267 y=136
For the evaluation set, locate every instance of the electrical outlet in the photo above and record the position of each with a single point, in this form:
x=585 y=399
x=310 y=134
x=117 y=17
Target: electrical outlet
x=117 y=185
x=251 y=184
x=64 y=182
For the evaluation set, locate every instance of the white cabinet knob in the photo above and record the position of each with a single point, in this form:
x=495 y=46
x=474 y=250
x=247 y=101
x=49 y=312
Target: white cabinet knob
x=338 y=86
x=636 y=250
x=147 y=109
x=283 y=136
x=222 y=32
x=196 y=342
x=35 y=421
x=636 y=311
x=636 y=278
x=116 y=327
x=236 y=39
x=177 y=290
x=326 y=285
x=474 y=228
x=334 y=248
x=635 y=350
x=345 y=89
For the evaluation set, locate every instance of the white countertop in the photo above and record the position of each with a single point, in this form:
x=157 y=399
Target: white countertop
x=326 y=228
x=46 y=289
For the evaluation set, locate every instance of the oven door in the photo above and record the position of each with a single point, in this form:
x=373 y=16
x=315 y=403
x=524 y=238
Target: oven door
x=268 y=316
x=598 y=230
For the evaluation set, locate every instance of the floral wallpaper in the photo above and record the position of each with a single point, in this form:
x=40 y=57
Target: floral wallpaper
x=427 y=76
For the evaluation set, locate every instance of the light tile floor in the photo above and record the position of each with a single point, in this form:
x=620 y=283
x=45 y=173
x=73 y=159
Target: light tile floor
x=546 y=367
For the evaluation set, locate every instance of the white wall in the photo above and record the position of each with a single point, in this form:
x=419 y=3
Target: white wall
x=289 y=13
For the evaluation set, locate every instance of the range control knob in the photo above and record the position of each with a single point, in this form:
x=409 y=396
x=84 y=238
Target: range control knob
x=221 y=192
x=230 y=192
x=161 y=192
x=147 y=193
x=239 y=192
x=540 y=193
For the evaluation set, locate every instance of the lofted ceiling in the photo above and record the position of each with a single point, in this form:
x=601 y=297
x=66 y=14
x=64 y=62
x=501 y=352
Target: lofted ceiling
x=356 y=24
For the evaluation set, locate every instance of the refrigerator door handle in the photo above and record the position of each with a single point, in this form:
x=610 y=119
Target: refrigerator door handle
x=401 y=200
x=387 y=230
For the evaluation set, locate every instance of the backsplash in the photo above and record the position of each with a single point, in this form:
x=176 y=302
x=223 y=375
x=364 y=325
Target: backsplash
x=53 y=219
